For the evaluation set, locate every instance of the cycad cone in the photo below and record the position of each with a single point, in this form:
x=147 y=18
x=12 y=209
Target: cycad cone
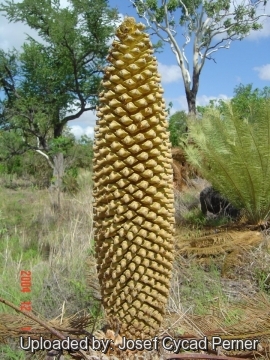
x=134 y=212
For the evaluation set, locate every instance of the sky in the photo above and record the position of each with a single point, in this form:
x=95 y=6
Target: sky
x=245 y=62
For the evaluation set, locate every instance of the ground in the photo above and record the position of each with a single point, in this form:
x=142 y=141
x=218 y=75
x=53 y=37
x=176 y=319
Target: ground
x=221 y=270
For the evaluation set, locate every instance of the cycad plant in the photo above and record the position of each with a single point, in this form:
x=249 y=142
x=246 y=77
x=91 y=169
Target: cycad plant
x=133 y=187
x=234 y=155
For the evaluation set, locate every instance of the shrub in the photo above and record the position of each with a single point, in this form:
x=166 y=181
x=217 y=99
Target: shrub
x=177 y=127
x=234 y=155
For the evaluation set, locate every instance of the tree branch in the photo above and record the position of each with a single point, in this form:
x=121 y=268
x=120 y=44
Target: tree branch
x=46 y=156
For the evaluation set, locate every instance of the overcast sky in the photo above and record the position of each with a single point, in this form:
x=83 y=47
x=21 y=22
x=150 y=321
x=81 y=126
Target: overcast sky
x=247 y=61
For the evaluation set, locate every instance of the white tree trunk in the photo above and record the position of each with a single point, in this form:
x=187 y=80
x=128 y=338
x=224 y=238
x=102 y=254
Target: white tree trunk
x=57 y=181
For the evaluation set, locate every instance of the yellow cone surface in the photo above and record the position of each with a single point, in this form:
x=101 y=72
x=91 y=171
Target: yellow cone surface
x=133 y=209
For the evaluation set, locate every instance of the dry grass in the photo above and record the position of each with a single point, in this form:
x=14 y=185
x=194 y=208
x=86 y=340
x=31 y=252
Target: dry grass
x=188 y=201
x=58 y=249
x=57 y=245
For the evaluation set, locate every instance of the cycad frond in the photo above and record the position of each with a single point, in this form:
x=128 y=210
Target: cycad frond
x=234 y=155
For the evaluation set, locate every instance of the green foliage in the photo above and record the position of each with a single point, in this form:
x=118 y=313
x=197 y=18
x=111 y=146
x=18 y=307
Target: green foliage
x=11 y=143
x=9 y=352
x=152 y=4
x=83 y=155
x=14 y=165
x=83 y=293
x=195 y=217
x=213 y=103
x=59 y=77
x=83 y=150
x=61 y=144
x=172 y=5
x=70 y=183
x=240 y=21
x=158 y=46
x=197 y=290
x=207 y=27
x=3 y=169
x=80 y=156
x=177 y=127
x=34 y=167
x=246 y=100
x=234 y=155
x=3 y=228
x=29 y=166
x=263 y=279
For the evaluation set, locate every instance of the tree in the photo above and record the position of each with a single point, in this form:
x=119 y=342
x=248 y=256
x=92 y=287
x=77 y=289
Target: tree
x=245 y=101
x=209 y=25
x=213 y=103
x=56 y=80
x=177 y=126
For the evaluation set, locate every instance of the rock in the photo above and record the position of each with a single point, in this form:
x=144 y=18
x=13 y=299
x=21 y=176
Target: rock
x=212 y=201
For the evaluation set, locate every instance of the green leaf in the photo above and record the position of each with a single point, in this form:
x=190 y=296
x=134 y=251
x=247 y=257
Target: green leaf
x=48 y=83
x=152 y=4
x=234 y=155
x=172 y=5
x=177 y=127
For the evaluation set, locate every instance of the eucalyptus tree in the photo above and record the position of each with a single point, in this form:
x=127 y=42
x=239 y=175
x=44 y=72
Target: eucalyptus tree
x=56 y=79
x=206 y=25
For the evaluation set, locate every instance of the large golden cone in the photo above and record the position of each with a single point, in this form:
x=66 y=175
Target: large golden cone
x=133 y=187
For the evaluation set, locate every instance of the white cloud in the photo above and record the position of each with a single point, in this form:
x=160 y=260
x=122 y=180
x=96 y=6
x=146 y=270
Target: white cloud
x=78 y=131
x=173 y=110
x=264 y=71
x=64 y=3
x=84 y=124
x=204 y=100
x=169 y=73
x=14 y=34
x=201 y=100
x=182 y=101
x=88 y=118
x=238 y=79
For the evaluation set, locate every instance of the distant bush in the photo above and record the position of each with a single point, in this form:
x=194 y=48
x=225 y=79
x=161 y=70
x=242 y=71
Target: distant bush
x=177 y=127
x=33 y=166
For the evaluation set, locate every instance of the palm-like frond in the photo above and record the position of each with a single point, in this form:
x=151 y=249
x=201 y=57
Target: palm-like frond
x=234 y=155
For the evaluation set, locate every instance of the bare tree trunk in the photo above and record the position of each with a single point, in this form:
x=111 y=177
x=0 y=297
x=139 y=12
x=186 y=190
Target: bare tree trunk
x=191 y=100
x=57 y=181
x=191 y=94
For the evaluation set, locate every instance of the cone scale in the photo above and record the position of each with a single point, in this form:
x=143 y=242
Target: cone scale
x=133 y=187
